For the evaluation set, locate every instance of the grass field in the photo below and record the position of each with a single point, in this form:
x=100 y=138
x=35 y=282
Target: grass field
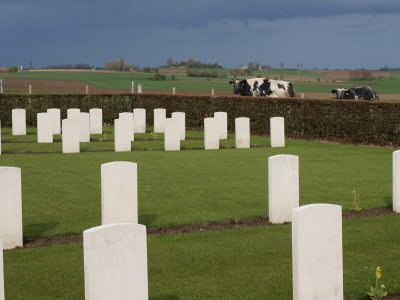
x=250 y=263
x=61 y=195
x=190 y=186
x=122 y=81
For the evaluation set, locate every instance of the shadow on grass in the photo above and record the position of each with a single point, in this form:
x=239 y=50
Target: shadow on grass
x=165 y=297
x=38 y=229
x=388 y=201
x=147 y=219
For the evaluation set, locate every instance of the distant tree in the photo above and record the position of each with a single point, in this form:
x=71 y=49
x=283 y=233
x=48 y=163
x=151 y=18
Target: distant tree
x=117 y=65
x=170 y=61
x=193 y=63
x=253 y=66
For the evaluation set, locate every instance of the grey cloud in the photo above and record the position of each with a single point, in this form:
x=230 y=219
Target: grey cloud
x=314 y=32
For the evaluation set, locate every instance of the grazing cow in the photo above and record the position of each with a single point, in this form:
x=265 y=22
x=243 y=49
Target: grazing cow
x=263 y=87
x=363 y=93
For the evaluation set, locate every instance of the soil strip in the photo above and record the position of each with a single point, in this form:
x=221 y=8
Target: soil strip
x=36 y=242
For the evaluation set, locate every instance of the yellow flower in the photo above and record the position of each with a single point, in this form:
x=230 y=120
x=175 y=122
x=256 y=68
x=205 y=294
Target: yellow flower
x=382 y=286
x=378 y=272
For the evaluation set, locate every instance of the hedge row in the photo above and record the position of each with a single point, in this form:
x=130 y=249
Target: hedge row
x=336 y=120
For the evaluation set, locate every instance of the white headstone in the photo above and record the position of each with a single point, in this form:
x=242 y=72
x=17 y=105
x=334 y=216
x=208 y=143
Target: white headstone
x=132 y=87
x=115 y=259
x=55 y=116
x=122 y=135
x=70 y=136
x=18 y=121
x=139 y=89
x=173 y=91
x=119 y=193
x=396 y=181
x=172 y=137
x=211 y=134
x=277 y=126
x=283 y=187
x=84 y=127
x=73 y=112
x=131 y=124
x=160 y=114
x=96 y=120
x=2 y=295
x=242 y=132
x=180 y=116
x=44 y=128
x=139 y=120
x=11 y=207
x=317 y=252
x=222 y=119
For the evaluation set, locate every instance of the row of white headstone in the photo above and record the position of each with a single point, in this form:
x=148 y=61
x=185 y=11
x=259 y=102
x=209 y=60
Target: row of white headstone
x=216 y=128
x=314 y=276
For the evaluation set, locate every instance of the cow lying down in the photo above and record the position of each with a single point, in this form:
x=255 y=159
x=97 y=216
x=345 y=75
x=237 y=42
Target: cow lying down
x=263 y=87
x=363 y=93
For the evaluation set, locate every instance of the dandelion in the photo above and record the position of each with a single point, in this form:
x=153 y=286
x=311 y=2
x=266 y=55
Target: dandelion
x=378 y=272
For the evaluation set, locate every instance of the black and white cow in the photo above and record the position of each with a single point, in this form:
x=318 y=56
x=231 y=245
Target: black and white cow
x=263 y=87
x=363 y=93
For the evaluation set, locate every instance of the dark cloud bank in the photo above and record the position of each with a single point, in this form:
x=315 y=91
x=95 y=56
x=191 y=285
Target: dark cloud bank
x=351 y=33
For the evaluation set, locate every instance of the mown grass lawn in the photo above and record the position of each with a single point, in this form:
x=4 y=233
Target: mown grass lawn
x=249 y=263
x=61 y=192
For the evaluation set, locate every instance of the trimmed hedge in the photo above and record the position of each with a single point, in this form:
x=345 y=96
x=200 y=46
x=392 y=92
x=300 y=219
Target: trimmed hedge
x=351 y=121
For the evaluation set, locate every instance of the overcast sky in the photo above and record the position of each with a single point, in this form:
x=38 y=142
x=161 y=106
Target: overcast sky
x=317 y=33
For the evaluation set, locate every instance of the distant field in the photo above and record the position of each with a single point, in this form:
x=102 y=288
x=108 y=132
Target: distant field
x=306 y=81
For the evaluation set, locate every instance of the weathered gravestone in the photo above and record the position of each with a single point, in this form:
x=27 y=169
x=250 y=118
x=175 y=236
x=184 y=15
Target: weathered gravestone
x=2 y=295
x=396 y=181
x=222 y=120
x=0 y=137
x=277 y=128
x=11 y=207
x=283 y=187
x=160 y=114
x=96 y=120
x=73 y=112
x=119 y=193
x=317 y=252
x=122 y=135
x=180 y=116
x=84 y=127
x=139 y=120
x=44 y=128
x=70 y=136
x=18 y=118
x=131 y=125
x=242 y=132
x=211 y=134
x=172 y=135
x=55 y=117
x=115 y=260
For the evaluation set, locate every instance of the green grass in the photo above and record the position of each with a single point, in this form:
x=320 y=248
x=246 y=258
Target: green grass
x=61 y=192
x=250 y=263
x=122 y=80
